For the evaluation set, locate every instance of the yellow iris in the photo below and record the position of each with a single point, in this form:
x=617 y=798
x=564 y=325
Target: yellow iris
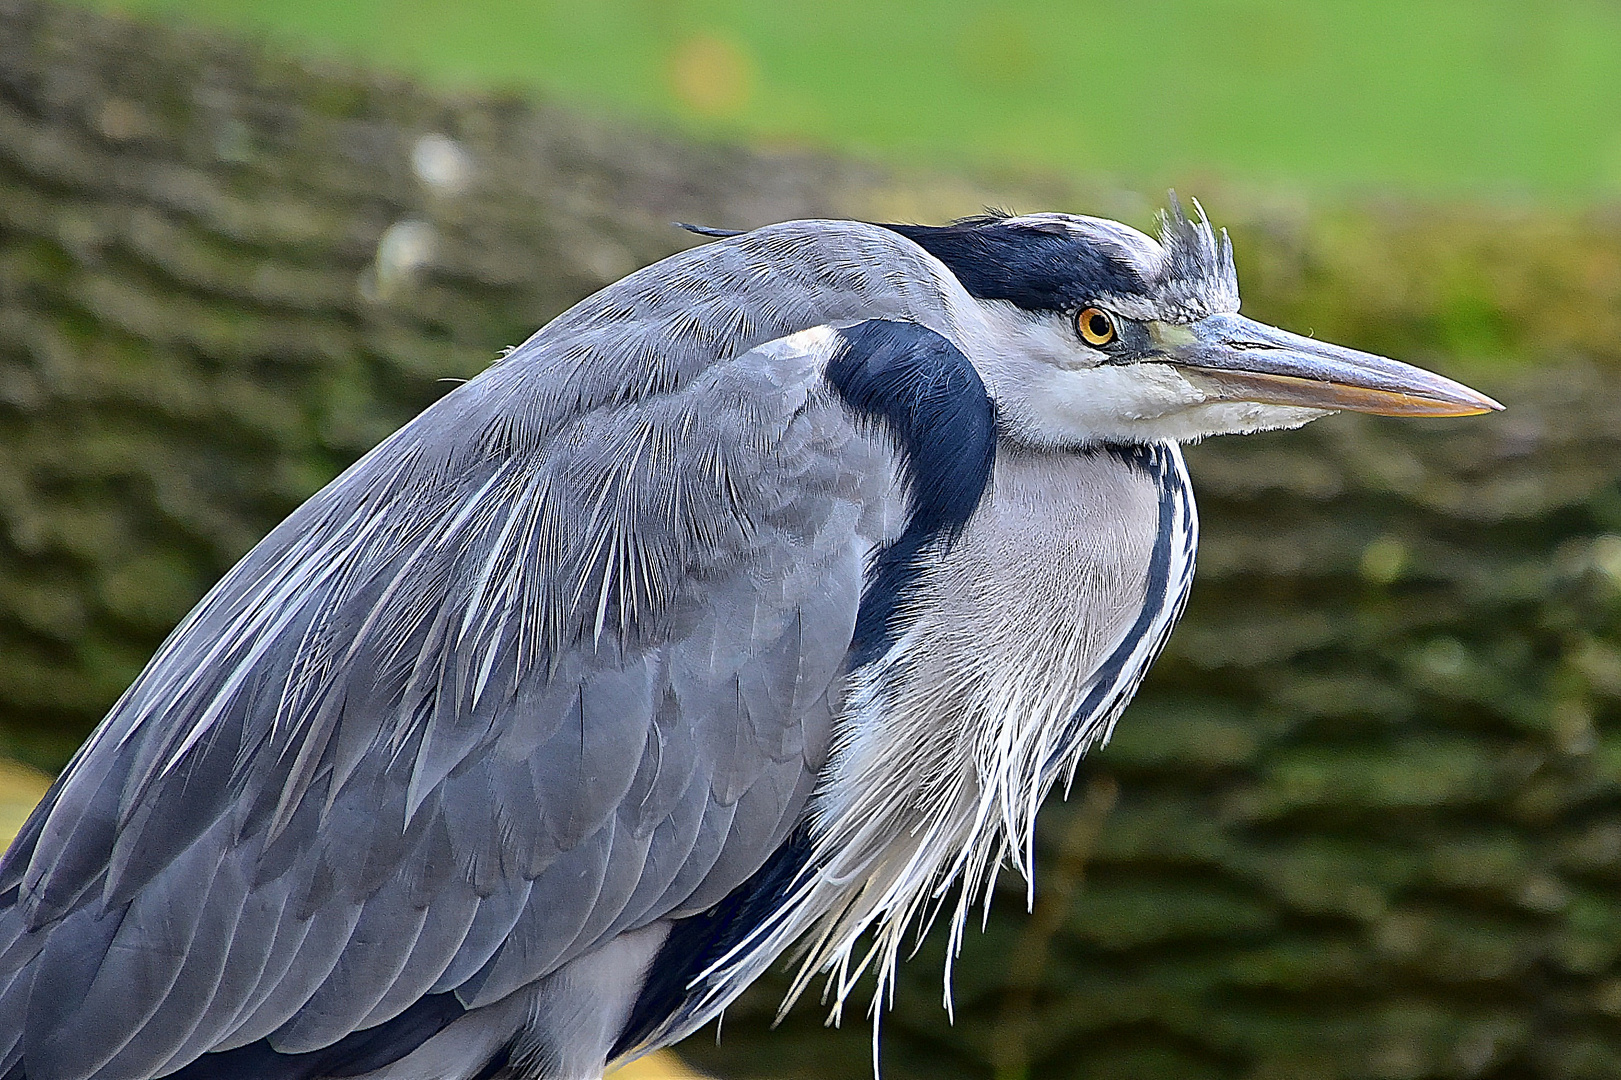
x=1096 y=326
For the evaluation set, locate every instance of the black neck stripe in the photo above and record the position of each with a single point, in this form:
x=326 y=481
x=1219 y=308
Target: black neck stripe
x=922 y=390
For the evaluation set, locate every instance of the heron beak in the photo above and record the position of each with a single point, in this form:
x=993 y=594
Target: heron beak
x=1238 y=359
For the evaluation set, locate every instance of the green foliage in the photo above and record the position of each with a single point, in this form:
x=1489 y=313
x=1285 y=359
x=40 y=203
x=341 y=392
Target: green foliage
x=1501 y=97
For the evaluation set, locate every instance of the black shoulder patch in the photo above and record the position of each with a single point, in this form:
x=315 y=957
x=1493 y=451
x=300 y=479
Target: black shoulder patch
x=698 y=941
x=1028 y=266
x=923 y=391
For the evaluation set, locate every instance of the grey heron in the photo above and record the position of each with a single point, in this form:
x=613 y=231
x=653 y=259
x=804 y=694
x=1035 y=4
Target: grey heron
x=759 y=598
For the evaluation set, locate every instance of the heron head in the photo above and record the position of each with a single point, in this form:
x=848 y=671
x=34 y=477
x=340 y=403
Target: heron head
x=1092 y=331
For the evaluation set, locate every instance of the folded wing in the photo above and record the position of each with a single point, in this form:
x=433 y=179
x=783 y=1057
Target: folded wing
x=557 y=660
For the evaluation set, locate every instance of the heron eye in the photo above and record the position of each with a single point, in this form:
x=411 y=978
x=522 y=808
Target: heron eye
x=1096 y=326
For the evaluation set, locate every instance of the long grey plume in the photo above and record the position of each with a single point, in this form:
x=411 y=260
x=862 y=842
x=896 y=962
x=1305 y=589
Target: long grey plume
x=1199 y=270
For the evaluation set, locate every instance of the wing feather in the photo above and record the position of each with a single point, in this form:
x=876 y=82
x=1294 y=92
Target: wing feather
x=196 y=980
x=283 y=950
x=135 y=974
x=377 y=951
x=626 y=861
x=449 y=921
x=558 y=906
x=497 y=915
x=671 y=847
x=327 y=931
x=68 y=965
x=253 y=940
x=551 y=663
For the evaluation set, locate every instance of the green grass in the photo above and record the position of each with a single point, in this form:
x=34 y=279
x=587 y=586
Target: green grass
x=1504 y=98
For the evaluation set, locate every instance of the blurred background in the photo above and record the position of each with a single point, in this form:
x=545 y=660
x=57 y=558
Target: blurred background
x=1364 y=820
x=1512 y=98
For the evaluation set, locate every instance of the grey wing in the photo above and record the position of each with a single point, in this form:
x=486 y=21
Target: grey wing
x=460 y=719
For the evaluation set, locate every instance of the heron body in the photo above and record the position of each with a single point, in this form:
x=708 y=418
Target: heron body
x=759 y=598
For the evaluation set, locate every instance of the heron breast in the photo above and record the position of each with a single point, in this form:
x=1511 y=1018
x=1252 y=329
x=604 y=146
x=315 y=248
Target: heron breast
x=1047 y=577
